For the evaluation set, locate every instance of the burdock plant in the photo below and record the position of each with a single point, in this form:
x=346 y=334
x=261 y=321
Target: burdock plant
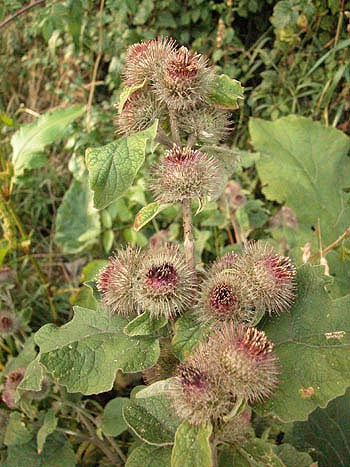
x=234 y=366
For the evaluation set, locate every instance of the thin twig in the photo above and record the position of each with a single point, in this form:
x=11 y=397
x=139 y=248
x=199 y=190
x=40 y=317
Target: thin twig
x=96 y=65
x=340 y=22
x=21 y=11
x=334 y=244
x=235 y=227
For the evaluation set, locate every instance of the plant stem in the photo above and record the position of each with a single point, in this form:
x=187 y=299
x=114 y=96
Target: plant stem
x=214 y=454
x=174 y=128
x=21 y=12
x=188 y=233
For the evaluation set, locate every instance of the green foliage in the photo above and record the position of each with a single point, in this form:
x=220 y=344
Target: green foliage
x=311 y=342
x=149 y=456
x=85 y=354
x=144 y=325
x=192 y=446
x=112 y=421
x=29 y=142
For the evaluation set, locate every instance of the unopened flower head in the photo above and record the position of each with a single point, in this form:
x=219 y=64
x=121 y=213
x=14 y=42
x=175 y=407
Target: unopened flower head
x=209 y=124
x=9 y=323
x=115 y=281
x=146 y=60
x=268 y=278
x=238 y=430
x=186 y=80
x=13 y=379
x=184 y=173
x=165 y=285
x=139 y=112
x=245 y=360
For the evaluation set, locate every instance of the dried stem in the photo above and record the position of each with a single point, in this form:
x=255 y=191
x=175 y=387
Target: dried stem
x=20 y=12
x=188 y=233
x=334 y=244
x=96 y=65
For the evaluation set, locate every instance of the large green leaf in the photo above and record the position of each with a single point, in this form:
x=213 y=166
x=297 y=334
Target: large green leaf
x=30 y=140
x=149 y=456
x=326 y=433
x=192 y=446
x=152 y=418
x=312 y=342
x=77 y=223
x=305 y=165
x=85 y=353
x=57 y=452
x=112 y=168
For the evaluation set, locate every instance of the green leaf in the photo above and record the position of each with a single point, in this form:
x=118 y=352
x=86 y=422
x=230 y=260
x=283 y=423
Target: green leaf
x=312 y=342
x=152 y=419
x=149 y=456
x=147 y=213
x=57 y=452
x=126 y=93
x=188 y=334
x=305 y=165
x=326 y=433
x=47 y=428
x=192 y=446
x=112 y=168
x=256 y=453
x=226 y=91
x=33 y=376
x=85 y=353
x=16 y=431
x=113 y=423
x=77 y=224
x=291 y=457
x=144 y=325
x=27 y=355
x=30 y=140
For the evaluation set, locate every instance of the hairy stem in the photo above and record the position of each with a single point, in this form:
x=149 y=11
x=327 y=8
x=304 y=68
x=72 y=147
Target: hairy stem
x=188 y=233
x=175 y=133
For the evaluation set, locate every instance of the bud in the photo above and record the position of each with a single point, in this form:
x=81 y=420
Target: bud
x=268 y=279
x=139 y=112
x=234 y=196
x=12 y=381
x=210 y=125
x=186 y=174
x=285 y=217
x=9 y=323
x=164 y=285
x=186 y=80
x=238 y=430
x=115 y=281
x=146 y=60
x=43 y=391
x=243 y=357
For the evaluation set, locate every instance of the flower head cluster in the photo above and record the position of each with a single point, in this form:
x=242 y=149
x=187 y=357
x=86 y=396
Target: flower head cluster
x=241 y=288
x=158 y=280
x=185 y=173
x=235 y=365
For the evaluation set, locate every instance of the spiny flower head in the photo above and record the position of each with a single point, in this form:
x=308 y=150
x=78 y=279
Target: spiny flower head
x=146 y=60
x=139 y=112
x=9 y=323
x=209 y=124
x=225 y=263
x=245 y=360
x=185 y=173
x=186 y=80
x=268 y=278
x=164 y=284
x=115 y=281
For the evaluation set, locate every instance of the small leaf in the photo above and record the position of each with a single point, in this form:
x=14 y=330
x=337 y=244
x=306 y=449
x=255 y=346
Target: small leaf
x=85 y=354
x=113 y=423
x=16 y=431
x=113 y=168
x=126 y=93
x=192 y=446
x=33 y=376
x=149 y=456
x=226 y=91
x=188 y=334
x=256 y=453
x=144 y=325
x=47 y=428
x=30 y=140
x=147 y=213
x=152 y=419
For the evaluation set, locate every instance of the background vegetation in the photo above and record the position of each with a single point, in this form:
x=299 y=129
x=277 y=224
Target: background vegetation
x=291 y=56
